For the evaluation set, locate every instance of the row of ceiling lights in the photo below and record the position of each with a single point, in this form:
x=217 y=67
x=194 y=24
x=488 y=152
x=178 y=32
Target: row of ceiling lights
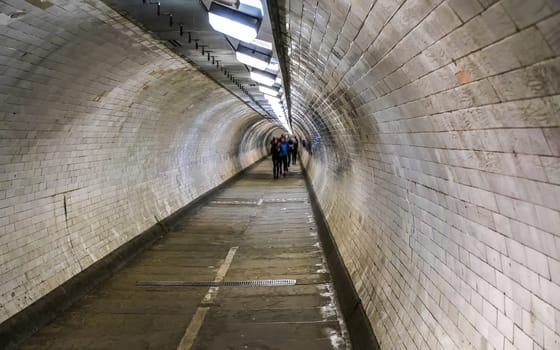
x=203 y=50
x=242 y=20
x=206 y=52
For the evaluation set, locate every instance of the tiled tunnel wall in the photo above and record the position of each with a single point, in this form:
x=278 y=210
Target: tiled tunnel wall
x=103 y=131
x=436 y=160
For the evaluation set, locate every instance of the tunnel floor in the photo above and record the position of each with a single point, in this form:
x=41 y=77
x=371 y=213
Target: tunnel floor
x=254 y=229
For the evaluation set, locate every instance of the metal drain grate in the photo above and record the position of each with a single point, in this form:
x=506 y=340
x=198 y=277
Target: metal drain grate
x=237 y=201
x=253 y=283
x=234 y=202
x=286 y=200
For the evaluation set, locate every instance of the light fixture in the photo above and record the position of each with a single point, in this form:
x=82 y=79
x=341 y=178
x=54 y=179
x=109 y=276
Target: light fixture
x=284 y=122
x=260 y=76
x=253 y=7
x=273 y=66
x=276 y=108
x=252 y=57
x=274 y=103
x=238 y=25
x=272 y=99
x=272 y=91
x=262 y=43
x=269 y=91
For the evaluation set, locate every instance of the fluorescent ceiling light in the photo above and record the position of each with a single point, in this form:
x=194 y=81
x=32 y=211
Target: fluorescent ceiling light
x=253 y=7
x=252 y=57
x=272 y=99
x=253 y=3
x=263 y=77
x=286 y=125
x=268 y=91
x=276 y=108
x=261 y=43
x=232 y=3
x=275 y=105
x=234 y=23
x=273 y=66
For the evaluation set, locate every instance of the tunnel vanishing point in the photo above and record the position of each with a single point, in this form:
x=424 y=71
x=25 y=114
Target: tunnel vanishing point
x=432 y=163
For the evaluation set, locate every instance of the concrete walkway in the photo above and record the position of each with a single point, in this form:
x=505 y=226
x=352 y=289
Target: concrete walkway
x=257 y=228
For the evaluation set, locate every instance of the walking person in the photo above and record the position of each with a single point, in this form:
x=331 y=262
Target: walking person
x=295 y=150
x=284 y=154
x=276 y=161
x=290 y=149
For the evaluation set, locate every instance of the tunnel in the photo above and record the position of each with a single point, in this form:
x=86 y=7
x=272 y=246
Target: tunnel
x=428 y=175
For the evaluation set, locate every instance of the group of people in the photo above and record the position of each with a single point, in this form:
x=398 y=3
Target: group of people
x=284 y=152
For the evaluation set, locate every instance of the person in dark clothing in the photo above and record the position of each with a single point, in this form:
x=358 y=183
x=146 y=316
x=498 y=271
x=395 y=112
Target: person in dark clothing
x=290 y=150
x=295 y=145
x=276 y=161
x=284 y=154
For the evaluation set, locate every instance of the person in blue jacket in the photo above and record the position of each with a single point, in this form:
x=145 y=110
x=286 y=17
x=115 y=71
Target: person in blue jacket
x=284 y=154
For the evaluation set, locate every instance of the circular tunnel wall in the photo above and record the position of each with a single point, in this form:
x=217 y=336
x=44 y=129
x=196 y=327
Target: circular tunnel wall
x=103 y=132
x=435 y=139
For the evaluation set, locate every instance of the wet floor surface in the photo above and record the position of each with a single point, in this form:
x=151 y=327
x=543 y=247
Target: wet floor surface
x=257 y=228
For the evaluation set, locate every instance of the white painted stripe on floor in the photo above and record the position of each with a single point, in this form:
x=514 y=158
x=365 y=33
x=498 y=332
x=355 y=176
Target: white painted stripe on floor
x=192 y=330
x=225 y=266
x=198 y=318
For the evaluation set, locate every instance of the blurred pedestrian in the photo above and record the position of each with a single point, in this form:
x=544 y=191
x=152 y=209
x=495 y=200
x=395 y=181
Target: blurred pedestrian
x=275 y=152
x=290 y=150
x=284 y=153
x=295 y=144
